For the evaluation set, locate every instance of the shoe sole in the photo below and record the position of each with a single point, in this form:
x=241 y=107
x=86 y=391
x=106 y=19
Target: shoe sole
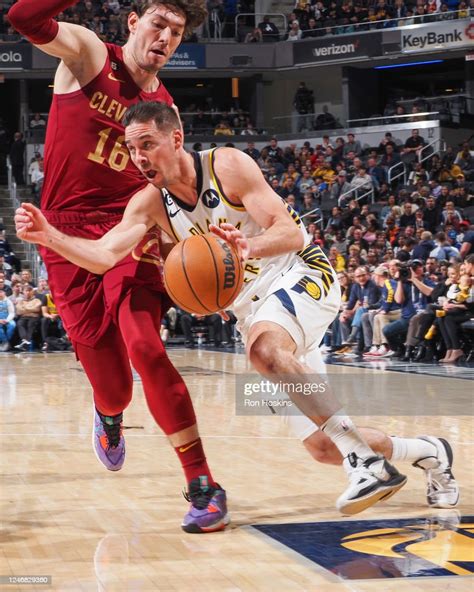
x=383 y=493
x=113 y=469
x=449 y=453
x=195 y=529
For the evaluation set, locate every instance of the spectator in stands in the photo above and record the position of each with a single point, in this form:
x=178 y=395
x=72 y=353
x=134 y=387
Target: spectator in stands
x=458 y=308
x=450 y=215
x=7 y=322
x=467 y=247
x=269 y=30
x=50 y=319
x=37 y=178
x=412 y=147
x=223 y=129
x=17 y=158
x=364 y=293
x=252 y=151
x=28 y=310
x=314 y=29
x=375 y=320
x=352 y=145
x=443 y=251
x=254 y=36
x=26 y=278
x=412 y=301
x=5 y=285
x=465 y=161
x=326 y=120
x=303 y=102
x=294 y=32
x=15 y=295
x=408 y=216
x=362 y=182
x=211 y=323
x=37 y=122
x=274 y=151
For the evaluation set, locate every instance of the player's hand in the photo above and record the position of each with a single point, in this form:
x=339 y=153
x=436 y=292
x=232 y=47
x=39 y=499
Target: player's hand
x=233 y=236
x=224 y=316
x=30 y=224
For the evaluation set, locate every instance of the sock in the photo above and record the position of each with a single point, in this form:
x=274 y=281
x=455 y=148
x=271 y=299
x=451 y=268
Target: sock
x=346 y=437
x=193 y=461
x=110 y=419
x=412 y=449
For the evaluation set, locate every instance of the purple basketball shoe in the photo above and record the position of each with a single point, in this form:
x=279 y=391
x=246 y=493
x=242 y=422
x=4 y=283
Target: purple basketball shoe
x=208 y=509
x=108 y=440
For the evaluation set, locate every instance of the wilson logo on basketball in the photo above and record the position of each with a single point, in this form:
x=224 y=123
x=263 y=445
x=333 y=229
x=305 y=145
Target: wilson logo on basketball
x=229 y=274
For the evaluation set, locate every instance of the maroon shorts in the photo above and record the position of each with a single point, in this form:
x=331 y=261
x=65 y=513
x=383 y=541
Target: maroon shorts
x=86 y=302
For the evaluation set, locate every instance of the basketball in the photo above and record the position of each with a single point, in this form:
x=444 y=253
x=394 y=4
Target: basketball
x=203 y=274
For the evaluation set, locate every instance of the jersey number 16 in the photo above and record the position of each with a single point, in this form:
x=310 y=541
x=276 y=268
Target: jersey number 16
x=119 y=156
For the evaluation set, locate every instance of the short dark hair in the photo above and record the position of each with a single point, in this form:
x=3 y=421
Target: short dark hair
x=165 y=117
x=194 y=11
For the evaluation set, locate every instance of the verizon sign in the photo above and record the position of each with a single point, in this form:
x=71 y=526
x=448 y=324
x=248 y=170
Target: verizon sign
x=445 y=35
x=331 y=49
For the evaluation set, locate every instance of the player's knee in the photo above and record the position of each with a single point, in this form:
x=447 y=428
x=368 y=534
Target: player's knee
x=267 y=357
x=322 y=449
x=146 y=355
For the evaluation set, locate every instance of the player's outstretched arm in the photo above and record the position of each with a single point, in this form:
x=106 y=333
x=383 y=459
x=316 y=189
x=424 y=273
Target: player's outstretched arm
x=35 y=20
x=243 y=182
x=97 y=256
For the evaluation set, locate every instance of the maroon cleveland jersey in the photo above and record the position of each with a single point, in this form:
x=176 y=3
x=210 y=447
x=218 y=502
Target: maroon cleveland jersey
x=87 y=165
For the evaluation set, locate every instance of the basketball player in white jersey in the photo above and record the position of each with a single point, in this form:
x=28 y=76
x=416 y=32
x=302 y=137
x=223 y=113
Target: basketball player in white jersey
x=289 y=298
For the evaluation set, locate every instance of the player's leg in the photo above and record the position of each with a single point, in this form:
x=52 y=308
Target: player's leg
x=108 y=370
x=171 y=406
x=271 y=349
x=431 y=454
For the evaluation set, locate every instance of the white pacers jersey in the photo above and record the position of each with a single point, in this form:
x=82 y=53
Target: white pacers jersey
x=213 y=207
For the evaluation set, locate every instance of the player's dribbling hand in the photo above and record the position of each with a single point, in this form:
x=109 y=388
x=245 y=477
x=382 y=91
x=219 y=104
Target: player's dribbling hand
x=30 y=224
x=232 y=235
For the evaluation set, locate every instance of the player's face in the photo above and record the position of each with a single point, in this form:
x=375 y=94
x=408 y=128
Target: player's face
x=153 y=152
x=155 y=36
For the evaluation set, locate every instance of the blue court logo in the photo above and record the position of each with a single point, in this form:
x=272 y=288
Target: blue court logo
x=366 y=549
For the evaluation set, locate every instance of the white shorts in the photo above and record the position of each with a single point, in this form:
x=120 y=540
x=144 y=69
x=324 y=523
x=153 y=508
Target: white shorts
x=300 y=302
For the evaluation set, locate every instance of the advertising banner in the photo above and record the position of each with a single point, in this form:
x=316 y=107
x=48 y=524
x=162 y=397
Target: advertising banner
x=334 y=48
x=188 y=56
x=15 y=56
x=440 y=35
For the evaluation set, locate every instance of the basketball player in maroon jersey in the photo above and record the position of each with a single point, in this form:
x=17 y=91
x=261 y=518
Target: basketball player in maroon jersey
x=89 y=179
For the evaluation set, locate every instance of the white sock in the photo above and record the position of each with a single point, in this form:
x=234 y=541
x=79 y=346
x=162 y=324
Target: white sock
x=412 y=449
x=345 y=436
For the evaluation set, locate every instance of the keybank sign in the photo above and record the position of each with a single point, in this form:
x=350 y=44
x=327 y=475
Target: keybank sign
x=438 y=35
x=15 y=57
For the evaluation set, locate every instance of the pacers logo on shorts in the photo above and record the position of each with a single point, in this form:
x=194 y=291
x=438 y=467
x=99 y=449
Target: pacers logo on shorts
x=314 y=258
x=307 y=285
x=148 y=249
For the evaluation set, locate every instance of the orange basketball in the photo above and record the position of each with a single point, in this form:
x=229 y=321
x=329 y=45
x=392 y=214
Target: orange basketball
x=203 y=274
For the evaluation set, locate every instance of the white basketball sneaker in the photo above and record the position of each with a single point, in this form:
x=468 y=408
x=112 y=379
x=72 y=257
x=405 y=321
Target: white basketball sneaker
x=442 y=491
x=370 y=481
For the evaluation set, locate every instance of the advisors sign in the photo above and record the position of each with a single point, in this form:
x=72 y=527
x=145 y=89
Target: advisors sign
x=442 y=35
x=189 y=56
x=16 y=56
x=331 y=49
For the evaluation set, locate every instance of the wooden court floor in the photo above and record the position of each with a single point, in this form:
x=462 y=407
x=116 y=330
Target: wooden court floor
x=65 y=516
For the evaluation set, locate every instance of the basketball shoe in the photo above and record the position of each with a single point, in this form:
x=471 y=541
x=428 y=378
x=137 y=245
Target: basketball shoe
x=442 y=489
x=108 y=440
x=208 y=509
x=370 y=481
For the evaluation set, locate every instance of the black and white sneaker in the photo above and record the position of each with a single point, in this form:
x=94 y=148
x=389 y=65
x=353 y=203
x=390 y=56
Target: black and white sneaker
x=23 y=345
x=442 y=491
x=370 y=481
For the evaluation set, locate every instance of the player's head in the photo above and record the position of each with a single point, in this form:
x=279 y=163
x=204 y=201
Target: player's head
x=157 y=28
x=154 y=138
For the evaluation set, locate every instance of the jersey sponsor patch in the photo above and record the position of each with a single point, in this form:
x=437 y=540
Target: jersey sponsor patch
x=210 y=198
